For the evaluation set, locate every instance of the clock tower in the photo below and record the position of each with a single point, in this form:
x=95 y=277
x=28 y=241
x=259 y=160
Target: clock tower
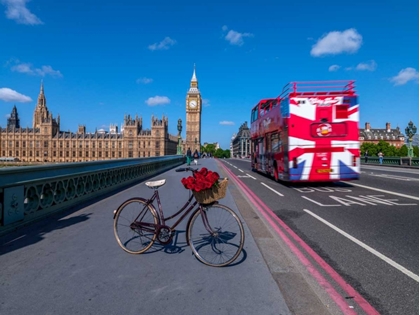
x=193 y=110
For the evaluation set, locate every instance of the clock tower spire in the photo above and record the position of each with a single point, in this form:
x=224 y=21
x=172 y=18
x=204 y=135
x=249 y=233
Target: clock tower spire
x=193 y=113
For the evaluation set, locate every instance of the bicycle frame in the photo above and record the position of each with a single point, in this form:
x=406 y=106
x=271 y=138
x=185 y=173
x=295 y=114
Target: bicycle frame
x=161 y=217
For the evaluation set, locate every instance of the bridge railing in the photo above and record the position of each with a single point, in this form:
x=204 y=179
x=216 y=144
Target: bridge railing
x=28 y=193
x=401 y=161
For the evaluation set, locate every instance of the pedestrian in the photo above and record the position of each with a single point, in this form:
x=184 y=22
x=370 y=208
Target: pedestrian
x=196 y=156
x=381 y=157
x=366 y=156
x=189 y=156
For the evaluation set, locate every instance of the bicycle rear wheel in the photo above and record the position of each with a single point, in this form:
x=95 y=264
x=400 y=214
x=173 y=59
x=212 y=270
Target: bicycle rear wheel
x=215 y=234
x=135 y=226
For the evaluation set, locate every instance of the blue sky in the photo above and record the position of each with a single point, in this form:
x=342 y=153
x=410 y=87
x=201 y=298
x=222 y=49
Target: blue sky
x=101 y=60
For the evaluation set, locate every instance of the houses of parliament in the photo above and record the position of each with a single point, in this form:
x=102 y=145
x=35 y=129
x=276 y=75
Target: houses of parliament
x=45 y=142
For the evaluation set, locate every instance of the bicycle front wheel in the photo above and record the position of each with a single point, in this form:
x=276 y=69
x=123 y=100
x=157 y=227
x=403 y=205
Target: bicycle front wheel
x=135 y=226
x=216 y=235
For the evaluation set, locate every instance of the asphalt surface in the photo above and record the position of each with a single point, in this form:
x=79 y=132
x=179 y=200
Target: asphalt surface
x=71 y=264
x=377 y=252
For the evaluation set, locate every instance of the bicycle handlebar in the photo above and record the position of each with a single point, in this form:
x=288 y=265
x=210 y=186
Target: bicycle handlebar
x=186 y=169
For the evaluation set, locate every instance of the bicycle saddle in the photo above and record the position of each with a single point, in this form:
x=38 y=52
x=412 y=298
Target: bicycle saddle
x=156 y=183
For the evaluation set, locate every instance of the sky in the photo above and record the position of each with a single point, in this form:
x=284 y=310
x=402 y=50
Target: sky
x=102 y=60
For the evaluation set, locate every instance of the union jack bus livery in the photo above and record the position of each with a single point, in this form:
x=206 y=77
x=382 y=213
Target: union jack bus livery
x=308 y=133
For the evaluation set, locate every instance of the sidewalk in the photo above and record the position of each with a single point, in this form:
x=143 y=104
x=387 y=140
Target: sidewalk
x=71 y=263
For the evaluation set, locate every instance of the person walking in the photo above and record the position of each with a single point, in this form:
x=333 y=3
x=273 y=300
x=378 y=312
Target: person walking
x=366 y=156
x=381 y=157
x=189 y=155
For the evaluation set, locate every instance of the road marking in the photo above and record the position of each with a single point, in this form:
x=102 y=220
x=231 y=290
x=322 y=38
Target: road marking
x=272 y=190
x=320 y=204
x=368 y=248
x=397 y=177
x=385 y=191
x=234 y=166
x=240 y=170
x=251 y=176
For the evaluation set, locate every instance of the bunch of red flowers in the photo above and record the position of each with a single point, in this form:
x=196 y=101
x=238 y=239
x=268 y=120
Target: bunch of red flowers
x=201 y=180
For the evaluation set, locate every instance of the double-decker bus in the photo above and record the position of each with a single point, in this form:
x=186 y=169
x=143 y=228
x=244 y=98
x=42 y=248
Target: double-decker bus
x=310 y=132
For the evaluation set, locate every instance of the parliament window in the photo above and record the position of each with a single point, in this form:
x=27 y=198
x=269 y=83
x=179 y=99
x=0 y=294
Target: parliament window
x=17 y=144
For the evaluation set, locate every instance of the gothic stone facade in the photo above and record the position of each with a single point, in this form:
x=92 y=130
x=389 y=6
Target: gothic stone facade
x=44 y=142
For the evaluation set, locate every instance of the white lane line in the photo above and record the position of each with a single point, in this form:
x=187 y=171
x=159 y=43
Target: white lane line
x=250 y=176
x=368 y=248
x=272 y=190
x=234 y=166
x=384 y=191
x=240 y=170
x=397 y=177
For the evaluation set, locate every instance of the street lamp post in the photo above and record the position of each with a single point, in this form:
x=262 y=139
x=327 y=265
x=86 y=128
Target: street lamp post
x=410 y=131
x=179 y=146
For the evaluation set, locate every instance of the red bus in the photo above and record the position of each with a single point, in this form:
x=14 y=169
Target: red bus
x=309 y=133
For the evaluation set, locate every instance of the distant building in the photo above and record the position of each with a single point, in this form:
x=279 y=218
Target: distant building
x=373 y=135
x=241 y=143
x=45 y=142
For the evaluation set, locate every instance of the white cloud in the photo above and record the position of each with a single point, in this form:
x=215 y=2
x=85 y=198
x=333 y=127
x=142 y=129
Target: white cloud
x=9 y=95
x=405 y=75
x=205 y=102
x=164 y=44
x=336 y=42
x=16 y=10
x=144 y=80
x=234 y=37
x=369 y=66
x=333 y=68
x=227 y=123
x=157 y=100
x=29 y=69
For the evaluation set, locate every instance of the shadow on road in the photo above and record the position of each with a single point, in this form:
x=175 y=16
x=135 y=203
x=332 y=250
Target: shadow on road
x=35 y=233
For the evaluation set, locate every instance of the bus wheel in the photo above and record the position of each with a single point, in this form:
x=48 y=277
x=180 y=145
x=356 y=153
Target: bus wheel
x=276 y=173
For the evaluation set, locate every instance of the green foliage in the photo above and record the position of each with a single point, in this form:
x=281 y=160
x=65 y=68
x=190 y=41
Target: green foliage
x=403 y=151
x=387 y=149
x=210 y=148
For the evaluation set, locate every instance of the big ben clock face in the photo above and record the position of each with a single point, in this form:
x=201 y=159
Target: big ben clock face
x=193 y=104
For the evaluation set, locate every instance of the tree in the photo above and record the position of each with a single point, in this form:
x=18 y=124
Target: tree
x=210 y=148
x=219 y=153
x=403 y=151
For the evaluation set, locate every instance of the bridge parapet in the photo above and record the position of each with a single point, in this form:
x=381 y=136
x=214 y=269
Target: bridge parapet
x=390 y=160
x=28 y=193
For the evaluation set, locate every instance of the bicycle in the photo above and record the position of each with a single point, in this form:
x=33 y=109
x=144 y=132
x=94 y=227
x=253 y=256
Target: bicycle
x=144 y=224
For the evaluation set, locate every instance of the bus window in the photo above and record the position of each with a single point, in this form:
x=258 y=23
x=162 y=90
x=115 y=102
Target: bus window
x=275 y=143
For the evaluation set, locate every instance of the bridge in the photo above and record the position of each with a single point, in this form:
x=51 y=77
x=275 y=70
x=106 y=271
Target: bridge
x=345 y=248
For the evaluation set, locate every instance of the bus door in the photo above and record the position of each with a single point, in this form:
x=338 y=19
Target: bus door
x=276 y=154
x=261 y=153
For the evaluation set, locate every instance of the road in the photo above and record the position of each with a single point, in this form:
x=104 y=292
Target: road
x=366 y=230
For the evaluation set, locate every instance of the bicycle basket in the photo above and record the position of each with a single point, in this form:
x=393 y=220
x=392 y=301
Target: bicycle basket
x=212 y=194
